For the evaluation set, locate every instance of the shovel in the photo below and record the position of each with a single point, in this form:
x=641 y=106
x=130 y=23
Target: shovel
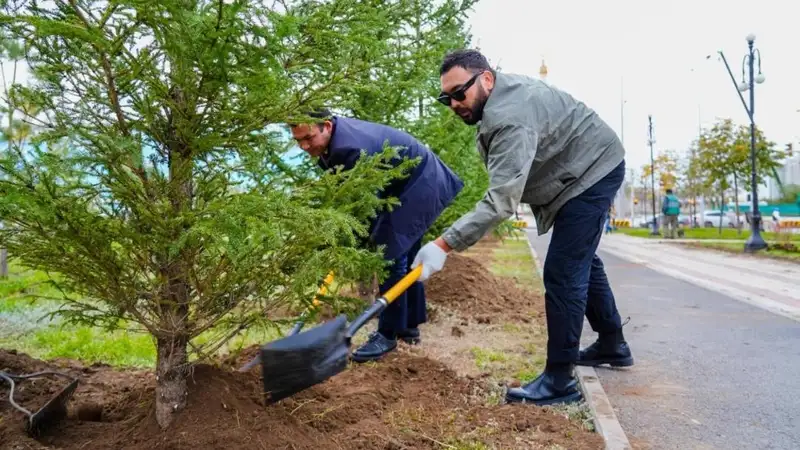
x=52 y=412
x=323 y=289
x=297 y=362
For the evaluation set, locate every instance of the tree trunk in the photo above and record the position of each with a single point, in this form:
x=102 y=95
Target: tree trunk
x=3 y=263
x=3 y=260
x=172 y=370
x=721 y=209
x=367 y=290
x=172 y=365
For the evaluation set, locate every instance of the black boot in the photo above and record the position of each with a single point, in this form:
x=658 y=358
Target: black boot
x=609 y=348
x=375 y=348
x=554 y=386
x=410 y=336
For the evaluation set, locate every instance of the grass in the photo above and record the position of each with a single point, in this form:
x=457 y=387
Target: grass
x=27 y=299
x=737 y=247
x=513 y=259
x=705 y=233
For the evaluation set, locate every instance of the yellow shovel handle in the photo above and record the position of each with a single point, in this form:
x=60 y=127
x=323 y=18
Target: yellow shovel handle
x=403 y=284
x=323 y=289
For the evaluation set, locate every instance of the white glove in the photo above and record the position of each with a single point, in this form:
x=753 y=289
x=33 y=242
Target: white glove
x=432 y=258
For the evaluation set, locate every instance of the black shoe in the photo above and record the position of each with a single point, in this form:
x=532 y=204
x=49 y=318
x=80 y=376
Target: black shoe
x=550 y=388
x=410 y=336
x=375 y=348
x=608 y=349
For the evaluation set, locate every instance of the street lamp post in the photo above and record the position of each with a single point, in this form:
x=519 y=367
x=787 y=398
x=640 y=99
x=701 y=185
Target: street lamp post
x=755 y=242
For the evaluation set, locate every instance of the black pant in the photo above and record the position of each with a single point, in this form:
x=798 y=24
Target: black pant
x=408 y=310
x=574 y=278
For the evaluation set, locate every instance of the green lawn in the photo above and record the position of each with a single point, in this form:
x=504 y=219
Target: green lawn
x=705 y=233
x=736 y=247
x=26 y=325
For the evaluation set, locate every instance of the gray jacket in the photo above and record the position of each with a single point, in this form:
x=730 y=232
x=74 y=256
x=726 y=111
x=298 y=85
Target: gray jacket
x=542 y=147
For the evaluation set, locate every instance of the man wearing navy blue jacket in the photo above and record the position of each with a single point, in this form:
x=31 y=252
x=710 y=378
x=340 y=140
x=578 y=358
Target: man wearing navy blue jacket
x=424 y=194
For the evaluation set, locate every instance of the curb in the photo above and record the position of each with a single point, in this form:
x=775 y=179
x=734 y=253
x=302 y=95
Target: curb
x=605 y=421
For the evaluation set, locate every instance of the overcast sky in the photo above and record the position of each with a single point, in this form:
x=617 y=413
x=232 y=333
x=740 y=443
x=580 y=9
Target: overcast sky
x=657 y=52
x=652 y=54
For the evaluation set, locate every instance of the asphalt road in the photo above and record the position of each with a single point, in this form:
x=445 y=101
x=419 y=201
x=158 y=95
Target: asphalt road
x=711 y=372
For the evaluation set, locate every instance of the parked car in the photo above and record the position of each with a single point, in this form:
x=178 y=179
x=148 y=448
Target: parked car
x=711 y=219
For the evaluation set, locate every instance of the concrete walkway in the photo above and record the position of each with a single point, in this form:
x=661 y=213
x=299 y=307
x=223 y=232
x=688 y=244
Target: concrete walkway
x=714 y=370
x=772 y=285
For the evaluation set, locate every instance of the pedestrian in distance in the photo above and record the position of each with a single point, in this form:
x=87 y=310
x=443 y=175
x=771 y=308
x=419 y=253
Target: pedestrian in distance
x=671 y=208
x=545 y=148
x=430 y=187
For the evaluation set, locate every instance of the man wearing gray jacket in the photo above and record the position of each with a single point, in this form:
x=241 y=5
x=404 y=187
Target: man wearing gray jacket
x=542 y=147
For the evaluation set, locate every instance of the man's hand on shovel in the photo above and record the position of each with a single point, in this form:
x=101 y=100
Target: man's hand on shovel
x=432 y=256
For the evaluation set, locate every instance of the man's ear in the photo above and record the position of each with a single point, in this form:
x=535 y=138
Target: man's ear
x=487 y=79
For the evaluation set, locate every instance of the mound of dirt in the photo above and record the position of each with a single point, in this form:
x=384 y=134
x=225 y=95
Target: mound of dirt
x=402 y=402
x=467 y=287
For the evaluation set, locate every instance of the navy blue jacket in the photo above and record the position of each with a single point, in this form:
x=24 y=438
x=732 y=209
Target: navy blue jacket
x=423 y=195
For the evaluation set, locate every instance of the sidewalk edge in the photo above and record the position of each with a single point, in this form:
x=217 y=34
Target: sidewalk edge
x=604 y=418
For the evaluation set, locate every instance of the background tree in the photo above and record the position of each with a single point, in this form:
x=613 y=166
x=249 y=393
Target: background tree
x=768 y=157
x=717 y=159
x=666 y=176
x=14 y=131
x=791 y=194
x=692 y=178
x=666 y=164
x=402 y=88
x=724 y=156
x=169 y=205
x=647 y=191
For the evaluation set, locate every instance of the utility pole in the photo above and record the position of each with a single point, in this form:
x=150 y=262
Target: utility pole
x=621 y=112
x=622 y=137
x=650 y=141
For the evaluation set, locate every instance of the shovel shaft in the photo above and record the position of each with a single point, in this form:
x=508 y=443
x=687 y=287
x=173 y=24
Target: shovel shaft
x=401 y=286
x=323 y=289
x=373 y=311
x=383 y=301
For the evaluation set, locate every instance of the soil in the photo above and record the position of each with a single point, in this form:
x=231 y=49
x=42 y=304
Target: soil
x=403 y=402
x=466 y=286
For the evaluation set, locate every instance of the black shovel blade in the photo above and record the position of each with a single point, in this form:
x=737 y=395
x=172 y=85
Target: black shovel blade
x=297 y=362
x=54 y=411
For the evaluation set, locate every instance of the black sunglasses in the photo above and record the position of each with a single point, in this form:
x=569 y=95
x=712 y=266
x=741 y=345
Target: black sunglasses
x=459 y=94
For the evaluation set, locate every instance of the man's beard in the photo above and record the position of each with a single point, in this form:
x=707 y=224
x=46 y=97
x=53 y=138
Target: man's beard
x=475 y=114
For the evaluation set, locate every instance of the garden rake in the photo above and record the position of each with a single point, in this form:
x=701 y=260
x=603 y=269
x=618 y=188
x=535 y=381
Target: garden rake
x=52 y=412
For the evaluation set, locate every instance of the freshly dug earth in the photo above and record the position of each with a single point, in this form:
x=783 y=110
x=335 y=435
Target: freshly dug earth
x=467 y=287
x=403 y=402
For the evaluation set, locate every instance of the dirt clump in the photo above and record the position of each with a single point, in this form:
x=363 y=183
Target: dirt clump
x=467 y=287
x=404 y=401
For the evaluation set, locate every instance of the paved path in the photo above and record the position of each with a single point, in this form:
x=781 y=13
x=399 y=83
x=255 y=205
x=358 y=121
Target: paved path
x=713 y=371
